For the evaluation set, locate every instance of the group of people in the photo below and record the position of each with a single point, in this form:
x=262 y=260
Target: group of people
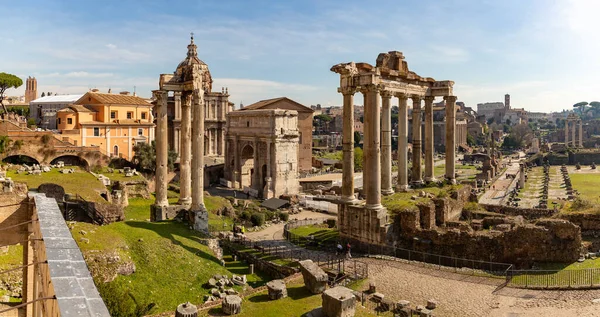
x=340 y=250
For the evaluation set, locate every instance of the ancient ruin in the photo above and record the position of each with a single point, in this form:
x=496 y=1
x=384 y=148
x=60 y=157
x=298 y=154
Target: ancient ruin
x=189 y=81
x=390 y=77
x=573 y=121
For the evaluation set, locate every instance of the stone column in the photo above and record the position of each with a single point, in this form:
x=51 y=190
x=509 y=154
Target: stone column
x=371 y=144
x=580 y=133
x=161 y=149
x=222 y=140
x=450 y=138
x=185 y=177
x=268 y=192
x=416 y=140
x=402 y=144
x=257 y=170
x=348 y=145
x=198 y=151
x=573 y=128
x=236 y=173
x=429 y=174
x=386 y=144
x=567 y=133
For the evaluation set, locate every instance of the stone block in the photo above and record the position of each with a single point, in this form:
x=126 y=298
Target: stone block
x=431 y=304
x=338 y=302
x=232 y=305
x=315 y=279
x=276 y=289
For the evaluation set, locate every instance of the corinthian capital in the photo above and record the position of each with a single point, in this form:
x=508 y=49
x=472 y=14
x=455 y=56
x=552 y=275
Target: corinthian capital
x=429 y=100
x=159 y=95
x=451 y=99
x=348 y=90
x=386 y=94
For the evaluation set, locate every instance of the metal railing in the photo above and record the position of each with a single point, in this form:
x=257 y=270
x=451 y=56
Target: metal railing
x=554 y=279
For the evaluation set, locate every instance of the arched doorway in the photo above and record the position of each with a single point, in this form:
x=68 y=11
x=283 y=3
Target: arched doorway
x=20 y=159
x=116 y=151
x=71 y=160
x=247 y=166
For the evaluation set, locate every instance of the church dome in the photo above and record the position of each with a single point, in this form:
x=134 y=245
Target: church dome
x=185 y=68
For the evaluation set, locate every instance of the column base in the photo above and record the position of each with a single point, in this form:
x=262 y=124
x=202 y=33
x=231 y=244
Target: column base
x=374 y=206
x=351 y=200
x=451 y=181
x=199 y=217
x=417 y=182
x=387 y=192
x=185 y=201
x=158 y=212
x=430 y=179
x=402 y=188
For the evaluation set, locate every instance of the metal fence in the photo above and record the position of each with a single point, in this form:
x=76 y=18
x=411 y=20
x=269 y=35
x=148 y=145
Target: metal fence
x=554 y=279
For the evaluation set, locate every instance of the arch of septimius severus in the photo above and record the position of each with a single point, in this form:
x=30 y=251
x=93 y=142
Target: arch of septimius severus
x=188 y=84
x=390 y=77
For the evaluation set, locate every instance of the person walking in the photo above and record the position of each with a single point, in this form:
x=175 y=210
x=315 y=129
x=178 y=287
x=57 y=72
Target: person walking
x=340 y=249
x=348 y=254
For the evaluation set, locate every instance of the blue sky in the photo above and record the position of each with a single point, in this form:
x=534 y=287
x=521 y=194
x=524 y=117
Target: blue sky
x=543 y=53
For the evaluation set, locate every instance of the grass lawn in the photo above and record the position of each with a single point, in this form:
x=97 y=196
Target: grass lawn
x=321 y=233
x=398 y=202
x=172 y=264
x=587 y=185
x=116 y=176
x=80 y=182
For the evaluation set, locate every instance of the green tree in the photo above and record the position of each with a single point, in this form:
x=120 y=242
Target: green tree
x=595 y=108
x=580 y=106
x=470 y=140
x=357 y=138
x=8 y=81
x=145 y=157
x=358 y=159
x=4 y=143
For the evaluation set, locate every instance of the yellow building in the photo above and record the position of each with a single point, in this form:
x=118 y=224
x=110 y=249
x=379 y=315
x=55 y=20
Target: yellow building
x=113 y=122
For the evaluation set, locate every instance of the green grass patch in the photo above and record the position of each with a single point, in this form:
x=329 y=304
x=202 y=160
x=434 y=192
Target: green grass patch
x=587 y=185
x=80 y=182
x=12 y=258
x=320 y=232
x=116 y=176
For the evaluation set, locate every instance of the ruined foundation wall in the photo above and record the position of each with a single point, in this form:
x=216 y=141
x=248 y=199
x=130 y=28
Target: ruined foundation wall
x=362 y=224
x=14 y=210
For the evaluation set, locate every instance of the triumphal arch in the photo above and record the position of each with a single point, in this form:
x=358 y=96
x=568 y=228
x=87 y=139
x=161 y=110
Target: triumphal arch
x=188 y=84
x=390 y=77
x=261 y=152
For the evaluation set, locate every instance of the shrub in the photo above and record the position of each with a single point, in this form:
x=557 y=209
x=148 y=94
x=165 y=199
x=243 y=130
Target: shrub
x=97 y=169
x=581 y=204
x=472 y=206
x=331 y=223
x=46 y=139
x=258 y=219
x=284 y=216
x=245 y=215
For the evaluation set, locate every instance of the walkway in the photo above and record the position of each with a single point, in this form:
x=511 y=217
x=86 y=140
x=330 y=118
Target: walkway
x=498 y=190
x=275 y=232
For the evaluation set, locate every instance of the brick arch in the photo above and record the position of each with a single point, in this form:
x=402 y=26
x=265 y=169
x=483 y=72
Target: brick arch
x=12 y=157
x=70 y=159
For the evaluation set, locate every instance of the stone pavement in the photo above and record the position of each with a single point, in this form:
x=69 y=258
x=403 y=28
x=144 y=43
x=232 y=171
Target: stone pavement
x=497 y=191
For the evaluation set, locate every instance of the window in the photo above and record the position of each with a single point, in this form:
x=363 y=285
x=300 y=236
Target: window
x=129 y=114
x=58 y=120
x=113 y=114
x=143 y=115
x=140 y=131
x=300 y=138
x=96 y=131
x=69 y=120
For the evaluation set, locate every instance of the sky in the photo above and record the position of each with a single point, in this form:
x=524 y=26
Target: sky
x=544 y=53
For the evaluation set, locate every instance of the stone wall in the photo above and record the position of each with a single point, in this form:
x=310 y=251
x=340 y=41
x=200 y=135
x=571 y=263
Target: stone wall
x=584 y=157
x=359 y=223
x=527 y=213
x=14 y=210
x=557 y=159
x=275 y=271
x=587 y=222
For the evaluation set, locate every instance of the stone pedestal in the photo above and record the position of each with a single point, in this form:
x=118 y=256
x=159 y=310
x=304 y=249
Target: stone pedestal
x=231 y=305
x=338 y=302
x=276 y=289
x=186 y=310
x=200 y=219
x=315 y=279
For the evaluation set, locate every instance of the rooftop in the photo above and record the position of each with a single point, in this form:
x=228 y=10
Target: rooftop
x=114 y=99
x=58 y=99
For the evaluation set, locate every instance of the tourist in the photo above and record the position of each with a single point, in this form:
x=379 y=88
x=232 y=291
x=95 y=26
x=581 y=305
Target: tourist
x=340 y=249
x=348 y=255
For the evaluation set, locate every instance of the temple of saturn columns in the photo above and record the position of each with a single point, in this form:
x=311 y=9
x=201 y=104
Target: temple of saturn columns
x=390 y=77
x=188 y=83
x=574 y=121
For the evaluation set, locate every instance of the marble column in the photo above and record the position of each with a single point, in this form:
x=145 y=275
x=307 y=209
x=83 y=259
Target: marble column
x=256 y=177
x=348 y=144
x=222 y=141
x=567 y=133
x=402 y=144
x=268 y=193
x=177 y=132
x=416 y=140
x=573 y=128
x=161 y=148
x=429 y=174
x=185 y=176
x=236 y=173
x=450 y=138
x=371 y=145
x=198 y=151
x=386 y=144
x=580 y=133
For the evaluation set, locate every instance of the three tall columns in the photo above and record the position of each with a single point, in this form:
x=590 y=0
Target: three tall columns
x=450 y=138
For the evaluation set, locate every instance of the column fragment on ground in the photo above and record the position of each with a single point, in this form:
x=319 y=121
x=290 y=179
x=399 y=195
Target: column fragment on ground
x=416 y=141
x=429 y=174
x=348 y=144
x=450 y=137
x=402 y=143
x=185 y=177
x=371 y=144
x=161 y=148
x=198 y=151
x=386 y=144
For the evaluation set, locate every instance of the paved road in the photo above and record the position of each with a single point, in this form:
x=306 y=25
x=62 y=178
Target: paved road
x=497 y=191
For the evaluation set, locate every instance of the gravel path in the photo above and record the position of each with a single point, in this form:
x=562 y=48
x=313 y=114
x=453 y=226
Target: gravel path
x=463 y=298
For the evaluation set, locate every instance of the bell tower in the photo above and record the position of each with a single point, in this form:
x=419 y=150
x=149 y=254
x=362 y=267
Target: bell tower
x=30 y=89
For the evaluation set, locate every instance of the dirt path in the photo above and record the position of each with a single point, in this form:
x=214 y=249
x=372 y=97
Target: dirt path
x=459 y=297
x=275 y=232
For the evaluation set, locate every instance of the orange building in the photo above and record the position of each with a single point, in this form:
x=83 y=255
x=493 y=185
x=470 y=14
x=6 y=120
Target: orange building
x=113 y=122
